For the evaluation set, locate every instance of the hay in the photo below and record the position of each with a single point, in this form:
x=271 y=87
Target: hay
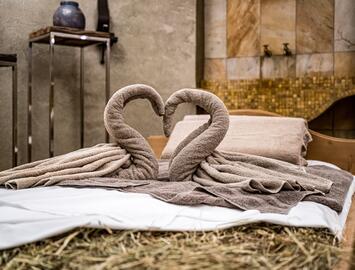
x=262 y=246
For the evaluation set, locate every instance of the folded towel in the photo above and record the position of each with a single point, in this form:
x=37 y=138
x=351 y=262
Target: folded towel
x=131 y=157
x=282 y=138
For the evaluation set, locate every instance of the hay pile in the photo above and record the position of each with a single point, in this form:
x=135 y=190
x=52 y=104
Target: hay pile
x=262 y=246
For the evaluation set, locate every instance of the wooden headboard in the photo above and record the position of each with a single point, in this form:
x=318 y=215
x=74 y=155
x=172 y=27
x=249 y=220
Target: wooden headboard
x=338 y=151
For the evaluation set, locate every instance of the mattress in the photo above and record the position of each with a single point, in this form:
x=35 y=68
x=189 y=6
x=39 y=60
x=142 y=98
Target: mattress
x=34 y=214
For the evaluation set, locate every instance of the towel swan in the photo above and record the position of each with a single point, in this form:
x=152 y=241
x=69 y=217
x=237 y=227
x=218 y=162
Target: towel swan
x=195 y=158
x=206 y=137
x=144 y=163
x=130 y=157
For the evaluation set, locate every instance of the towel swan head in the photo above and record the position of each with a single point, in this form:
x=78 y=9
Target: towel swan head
x=143 y=162
x=201 y=142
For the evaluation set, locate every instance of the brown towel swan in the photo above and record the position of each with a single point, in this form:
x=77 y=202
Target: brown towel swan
x=130 y=157
x=196 y=159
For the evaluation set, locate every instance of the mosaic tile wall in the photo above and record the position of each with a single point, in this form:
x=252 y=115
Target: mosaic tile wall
x=305 y=97
x=319 y=33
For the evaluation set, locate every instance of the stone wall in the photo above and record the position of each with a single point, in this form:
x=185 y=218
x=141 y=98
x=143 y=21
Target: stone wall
x=320 y=71
x=320 y=33
x=157 y=43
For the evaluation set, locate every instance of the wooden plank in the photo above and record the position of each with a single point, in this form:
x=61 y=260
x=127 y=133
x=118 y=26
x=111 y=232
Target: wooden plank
x=338 y=151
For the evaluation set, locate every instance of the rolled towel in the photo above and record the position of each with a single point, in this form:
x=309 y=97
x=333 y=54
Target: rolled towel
x=131 y=157
x=282 y=138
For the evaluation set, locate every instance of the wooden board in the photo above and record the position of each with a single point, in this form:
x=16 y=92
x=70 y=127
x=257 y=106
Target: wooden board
x=338 y=151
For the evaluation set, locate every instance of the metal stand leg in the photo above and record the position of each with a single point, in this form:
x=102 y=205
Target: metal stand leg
x=14 y=116
x=29 y=102
x=82 y=97
x=51 y=96
x=107 y=83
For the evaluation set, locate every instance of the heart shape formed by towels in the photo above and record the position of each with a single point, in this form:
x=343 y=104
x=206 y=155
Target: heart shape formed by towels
x=198 y=174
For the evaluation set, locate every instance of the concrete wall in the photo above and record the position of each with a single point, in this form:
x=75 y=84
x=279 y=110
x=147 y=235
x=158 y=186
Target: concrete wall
x=157 y=43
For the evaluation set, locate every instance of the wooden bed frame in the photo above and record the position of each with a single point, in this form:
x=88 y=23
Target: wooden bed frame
x=338 y=151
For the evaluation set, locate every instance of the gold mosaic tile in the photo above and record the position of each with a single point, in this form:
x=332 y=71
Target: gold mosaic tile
x=305 y=97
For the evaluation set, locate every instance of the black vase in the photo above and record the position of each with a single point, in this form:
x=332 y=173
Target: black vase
x=69 y=15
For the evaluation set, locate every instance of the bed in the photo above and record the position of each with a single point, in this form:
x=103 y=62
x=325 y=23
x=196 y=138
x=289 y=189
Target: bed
x=342 y=154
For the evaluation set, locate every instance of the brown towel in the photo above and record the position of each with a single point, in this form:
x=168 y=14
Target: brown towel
x=130 y=157
x=282 y=138
x=192 y=193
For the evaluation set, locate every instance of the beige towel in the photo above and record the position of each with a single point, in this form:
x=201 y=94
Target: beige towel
x=282 y=138
x=130 y=157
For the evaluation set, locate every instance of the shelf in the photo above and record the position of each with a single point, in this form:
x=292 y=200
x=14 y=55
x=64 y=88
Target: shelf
x=69 y=36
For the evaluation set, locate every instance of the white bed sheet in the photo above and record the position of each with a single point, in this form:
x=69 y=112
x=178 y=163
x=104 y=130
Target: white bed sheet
x=33 y=214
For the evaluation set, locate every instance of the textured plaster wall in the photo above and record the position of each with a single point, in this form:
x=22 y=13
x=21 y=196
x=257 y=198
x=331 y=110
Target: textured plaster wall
x=157 y=43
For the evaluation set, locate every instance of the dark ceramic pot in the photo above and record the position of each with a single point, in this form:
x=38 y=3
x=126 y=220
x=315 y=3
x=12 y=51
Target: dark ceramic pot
x=69 y=15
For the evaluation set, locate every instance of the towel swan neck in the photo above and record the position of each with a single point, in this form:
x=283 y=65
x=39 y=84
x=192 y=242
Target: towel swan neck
x=203 y=141
x=144 y=164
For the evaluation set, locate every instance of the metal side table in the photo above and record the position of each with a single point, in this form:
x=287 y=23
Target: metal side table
x=10 y=60
x=52 y=36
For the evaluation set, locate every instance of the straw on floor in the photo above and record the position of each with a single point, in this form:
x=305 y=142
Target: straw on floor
x=260 y=246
